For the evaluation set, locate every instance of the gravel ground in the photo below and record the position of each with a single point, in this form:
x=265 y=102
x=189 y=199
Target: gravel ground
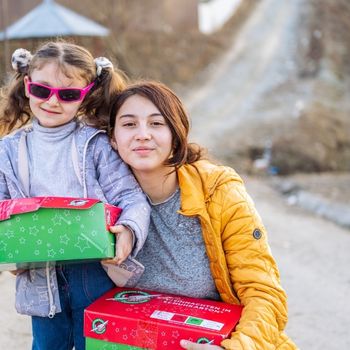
x=334 y=187
x=325 y=194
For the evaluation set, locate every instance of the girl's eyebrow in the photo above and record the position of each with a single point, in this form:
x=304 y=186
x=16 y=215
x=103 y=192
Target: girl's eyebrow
x=156 y=114
x=44 y=82
x=127 y=116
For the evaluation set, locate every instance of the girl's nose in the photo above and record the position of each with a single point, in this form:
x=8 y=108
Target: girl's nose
x=143 y=133
x=53 y=100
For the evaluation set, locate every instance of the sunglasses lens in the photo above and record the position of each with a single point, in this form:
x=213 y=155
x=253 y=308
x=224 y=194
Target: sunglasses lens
x=69 y=95
x=39 y=91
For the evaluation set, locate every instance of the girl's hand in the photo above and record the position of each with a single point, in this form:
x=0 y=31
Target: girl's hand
x=124 y=242
x=186 y=344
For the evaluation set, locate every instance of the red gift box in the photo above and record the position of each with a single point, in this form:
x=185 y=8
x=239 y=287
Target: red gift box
x=140 y=319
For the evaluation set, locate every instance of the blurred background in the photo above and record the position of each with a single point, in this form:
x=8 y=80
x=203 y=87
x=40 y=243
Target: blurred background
x=267 y=86
x=287 y=80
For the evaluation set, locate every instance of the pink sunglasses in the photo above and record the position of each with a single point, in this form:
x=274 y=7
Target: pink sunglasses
x=63 y=94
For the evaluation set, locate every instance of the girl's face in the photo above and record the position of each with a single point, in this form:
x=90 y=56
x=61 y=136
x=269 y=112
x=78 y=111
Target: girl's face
x=142 y=136
x=53 y=112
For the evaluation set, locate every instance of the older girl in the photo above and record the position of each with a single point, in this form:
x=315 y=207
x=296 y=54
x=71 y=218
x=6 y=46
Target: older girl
x=206 y=239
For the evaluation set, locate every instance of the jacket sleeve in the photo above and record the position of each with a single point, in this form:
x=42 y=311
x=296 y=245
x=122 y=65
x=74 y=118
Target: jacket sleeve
x=121 y=189
x=253 y=273
x=4 y=192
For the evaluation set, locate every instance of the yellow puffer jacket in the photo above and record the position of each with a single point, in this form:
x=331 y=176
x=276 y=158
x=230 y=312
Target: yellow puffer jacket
x=240 y=259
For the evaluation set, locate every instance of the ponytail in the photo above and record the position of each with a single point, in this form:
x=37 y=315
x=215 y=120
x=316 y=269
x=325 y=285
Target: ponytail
x=109 y=82
x=14 y=105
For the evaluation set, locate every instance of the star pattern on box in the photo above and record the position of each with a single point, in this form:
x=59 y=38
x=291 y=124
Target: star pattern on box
x=57 y=220
x=9 y=234
x=3 y=246
x=51 y=253
x=33 y=231
x=82 y=244
x=175 y=334
x=64 y=239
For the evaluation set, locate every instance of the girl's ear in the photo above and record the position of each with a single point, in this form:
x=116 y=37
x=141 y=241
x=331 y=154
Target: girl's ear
x=114 y=143
x=26 y=79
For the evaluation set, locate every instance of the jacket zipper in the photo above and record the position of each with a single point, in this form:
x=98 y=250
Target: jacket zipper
x=52 y=311
x=84 y=159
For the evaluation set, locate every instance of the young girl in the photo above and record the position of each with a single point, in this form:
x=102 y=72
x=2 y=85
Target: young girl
x=58 y=155
x=206 y=239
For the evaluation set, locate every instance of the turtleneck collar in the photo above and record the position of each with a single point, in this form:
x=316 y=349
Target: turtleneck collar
x=58 y=133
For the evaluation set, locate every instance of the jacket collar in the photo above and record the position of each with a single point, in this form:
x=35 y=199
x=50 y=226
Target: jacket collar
x=198 y=181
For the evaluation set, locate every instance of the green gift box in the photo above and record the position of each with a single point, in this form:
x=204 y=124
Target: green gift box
x=36 y=230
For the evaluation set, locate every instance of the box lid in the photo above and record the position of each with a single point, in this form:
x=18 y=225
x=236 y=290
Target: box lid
x=24 y=205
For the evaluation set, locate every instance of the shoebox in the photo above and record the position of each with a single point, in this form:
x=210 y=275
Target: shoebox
x=133 y=319
x=36 y=230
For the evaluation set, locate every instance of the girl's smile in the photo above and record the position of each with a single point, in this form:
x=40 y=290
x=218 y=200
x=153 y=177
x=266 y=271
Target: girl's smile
x=142 y=150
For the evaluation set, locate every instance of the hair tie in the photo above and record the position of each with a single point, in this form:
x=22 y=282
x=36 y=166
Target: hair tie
x=20 y=60
x=102 y=63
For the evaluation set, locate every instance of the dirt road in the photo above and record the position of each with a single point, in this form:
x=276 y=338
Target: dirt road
x=260 y=58
x=313 y=257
